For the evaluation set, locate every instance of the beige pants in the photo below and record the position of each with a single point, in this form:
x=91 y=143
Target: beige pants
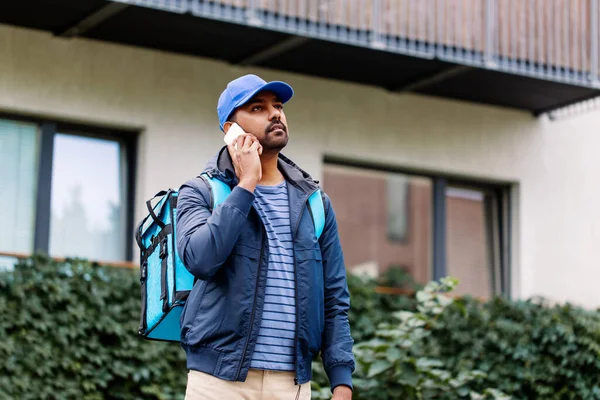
x=259 y=385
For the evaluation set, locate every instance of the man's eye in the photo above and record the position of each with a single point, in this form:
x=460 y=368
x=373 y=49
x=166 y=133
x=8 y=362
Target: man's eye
x=279 y=106
x=256 y=108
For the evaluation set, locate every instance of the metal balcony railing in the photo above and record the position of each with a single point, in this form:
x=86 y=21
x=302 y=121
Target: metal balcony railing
x=555 y=40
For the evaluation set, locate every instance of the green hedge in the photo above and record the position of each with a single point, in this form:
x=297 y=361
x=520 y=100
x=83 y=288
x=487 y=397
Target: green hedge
x=526 y=348
x=471 y=349
x=402 y=359
x=69 y=330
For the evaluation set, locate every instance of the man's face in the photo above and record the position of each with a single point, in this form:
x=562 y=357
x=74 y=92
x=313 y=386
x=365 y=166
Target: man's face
x=264 y=118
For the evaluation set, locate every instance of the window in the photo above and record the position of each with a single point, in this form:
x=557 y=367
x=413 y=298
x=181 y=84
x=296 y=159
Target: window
x=468 y=242
x=19 y=143
x=87 y=199
x=477 y=240
x=393 y=224
x=67 y=189
x=384 y=221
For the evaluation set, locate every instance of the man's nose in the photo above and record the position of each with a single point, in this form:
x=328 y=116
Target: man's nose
x=275 y=113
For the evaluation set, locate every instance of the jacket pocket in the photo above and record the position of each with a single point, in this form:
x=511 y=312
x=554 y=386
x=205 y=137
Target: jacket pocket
x=189 y=314
x=309 y=254
x=246 y=251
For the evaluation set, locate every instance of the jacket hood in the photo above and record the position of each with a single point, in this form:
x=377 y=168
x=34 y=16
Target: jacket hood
x=221 y=167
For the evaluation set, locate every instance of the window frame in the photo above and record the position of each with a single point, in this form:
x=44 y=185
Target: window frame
x=499 y=215
x=47 y=130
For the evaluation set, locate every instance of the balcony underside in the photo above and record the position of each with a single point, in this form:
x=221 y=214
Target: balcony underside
x=247 y=45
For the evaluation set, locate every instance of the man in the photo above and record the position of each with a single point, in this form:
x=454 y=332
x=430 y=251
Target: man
x=270 y=296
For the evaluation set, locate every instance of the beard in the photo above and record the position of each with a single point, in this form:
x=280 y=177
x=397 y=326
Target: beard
x=276 y=136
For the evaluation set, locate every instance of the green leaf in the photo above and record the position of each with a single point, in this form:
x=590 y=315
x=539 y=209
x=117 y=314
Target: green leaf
x=497 y=394
x=378 y=367
x=393 y=354
x=476 y=396
x=409 y=375
x=428 y=363
x=403 y=315
x=423 y=297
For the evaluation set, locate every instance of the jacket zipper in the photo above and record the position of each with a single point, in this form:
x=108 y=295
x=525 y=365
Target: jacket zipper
x=296 y=290
x=254 y=304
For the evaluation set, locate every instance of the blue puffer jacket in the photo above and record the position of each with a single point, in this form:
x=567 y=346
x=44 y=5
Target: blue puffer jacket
x=228 y=251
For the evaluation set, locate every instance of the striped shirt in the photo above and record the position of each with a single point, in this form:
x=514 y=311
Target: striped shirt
x=274 y=348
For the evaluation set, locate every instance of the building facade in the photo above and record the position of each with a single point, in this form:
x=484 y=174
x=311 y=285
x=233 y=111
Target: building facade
x=505 y=200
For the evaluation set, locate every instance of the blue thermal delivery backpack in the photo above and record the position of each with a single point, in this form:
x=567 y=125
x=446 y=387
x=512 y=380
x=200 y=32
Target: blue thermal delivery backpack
x=165 y=281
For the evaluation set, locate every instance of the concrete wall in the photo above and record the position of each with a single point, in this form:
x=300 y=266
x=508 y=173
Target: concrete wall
x=171 y=99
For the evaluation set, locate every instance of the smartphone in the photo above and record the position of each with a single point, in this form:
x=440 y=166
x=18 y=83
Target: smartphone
x=234 y=131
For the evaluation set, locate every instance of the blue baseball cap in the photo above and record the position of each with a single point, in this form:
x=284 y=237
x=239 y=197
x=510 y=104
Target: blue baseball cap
x=239 y=91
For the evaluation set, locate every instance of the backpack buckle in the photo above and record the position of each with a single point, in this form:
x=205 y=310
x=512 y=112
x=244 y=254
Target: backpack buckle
x=143 y=271
x=163 y=249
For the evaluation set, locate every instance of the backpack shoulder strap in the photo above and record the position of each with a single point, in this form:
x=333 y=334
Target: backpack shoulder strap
x=315 y=201
x=219 y=190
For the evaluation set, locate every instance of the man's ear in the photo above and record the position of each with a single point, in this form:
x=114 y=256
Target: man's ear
x=226 y=126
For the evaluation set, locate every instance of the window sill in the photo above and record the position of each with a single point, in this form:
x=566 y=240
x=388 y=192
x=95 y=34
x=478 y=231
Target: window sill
x=116 y=264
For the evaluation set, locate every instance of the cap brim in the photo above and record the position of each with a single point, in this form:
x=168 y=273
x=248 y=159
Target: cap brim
x=282 y=90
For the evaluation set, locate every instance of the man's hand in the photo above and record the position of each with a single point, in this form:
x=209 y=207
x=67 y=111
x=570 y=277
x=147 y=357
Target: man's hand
x=342 y=393
x=246 y=160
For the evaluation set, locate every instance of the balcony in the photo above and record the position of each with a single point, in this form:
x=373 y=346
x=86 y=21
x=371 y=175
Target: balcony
x=533 y=55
